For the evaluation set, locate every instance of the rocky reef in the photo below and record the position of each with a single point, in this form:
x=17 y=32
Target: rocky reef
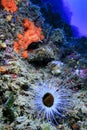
x=54 y=58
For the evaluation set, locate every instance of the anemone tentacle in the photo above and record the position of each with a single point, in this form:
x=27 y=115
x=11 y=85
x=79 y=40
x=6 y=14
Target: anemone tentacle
x=51 y=102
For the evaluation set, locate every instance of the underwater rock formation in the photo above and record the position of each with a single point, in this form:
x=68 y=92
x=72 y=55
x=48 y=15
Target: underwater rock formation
x=43 y=55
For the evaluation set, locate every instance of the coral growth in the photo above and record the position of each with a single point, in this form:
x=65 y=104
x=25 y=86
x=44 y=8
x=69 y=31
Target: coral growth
x=2 y=69
x=9 y=5
x=31 y=34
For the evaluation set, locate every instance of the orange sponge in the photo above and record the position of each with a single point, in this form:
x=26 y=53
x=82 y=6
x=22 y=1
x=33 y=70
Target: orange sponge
x=9 y=5
x=31 y=34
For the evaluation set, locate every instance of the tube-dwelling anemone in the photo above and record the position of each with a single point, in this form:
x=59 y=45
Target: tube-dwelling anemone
x=51 y=103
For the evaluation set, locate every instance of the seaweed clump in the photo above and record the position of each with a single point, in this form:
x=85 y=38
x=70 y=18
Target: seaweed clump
x=8 y=110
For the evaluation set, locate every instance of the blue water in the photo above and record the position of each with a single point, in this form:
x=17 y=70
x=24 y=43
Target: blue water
x=73 y=12
x=79 y=14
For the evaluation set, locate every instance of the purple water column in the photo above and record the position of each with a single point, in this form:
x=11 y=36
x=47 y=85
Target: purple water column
x=79 y=14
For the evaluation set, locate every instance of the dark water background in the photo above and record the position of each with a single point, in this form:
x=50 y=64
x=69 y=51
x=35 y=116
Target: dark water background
x=70 y=15
x=72 y=12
